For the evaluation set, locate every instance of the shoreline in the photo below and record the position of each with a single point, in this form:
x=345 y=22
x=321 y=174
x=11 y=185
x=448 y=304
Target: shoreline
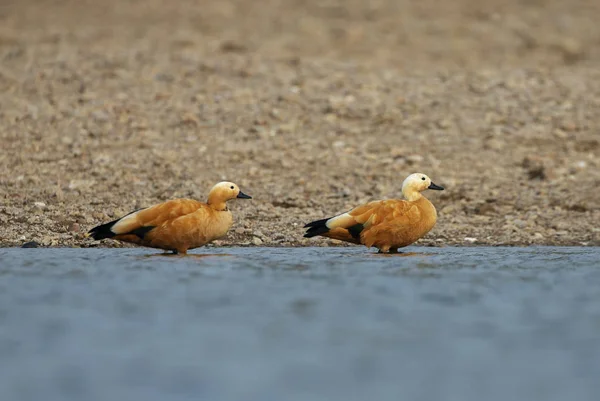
x=233 y=245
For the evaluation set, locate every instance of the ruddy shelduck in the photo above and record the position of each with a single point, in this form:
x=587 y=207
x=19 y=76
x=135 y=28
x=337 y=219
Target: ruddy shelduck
x=176 y=225
x=385 y=224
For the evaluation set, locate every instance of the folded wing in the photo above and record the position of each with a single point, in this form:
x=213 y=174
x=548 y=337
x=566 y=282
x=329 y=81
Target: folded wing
x=363 y=223
x=139 y=223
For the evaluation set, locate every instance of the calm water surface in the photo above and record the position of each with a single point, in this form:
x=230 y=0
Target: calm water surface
x=302 y=324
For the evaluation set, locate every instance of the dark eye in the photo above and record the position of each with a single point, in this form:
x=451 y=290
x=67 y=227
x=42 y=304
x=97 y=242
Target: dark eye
x=423 y=178
x=232 y=185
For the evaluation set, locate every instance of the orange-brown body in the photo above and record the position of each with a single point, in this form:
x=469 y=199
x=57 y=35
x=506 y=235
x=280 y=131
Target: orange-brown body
x=180 y=224
x=385 y=224
x=176 y=225
x=388 y=224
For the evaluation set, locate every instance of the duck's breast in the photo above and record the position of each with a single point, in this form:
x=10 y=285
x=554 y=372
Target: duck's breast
x=205 y=226
x=216 y=226
x=428 y=216
x=192 y=230
x=402 y=225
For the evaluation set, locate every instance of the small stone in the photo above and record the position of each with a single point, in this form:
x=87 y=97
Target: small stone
x=444 y=123
x=568 y=126
x=48 y=240
x=397 y=152
x=535 y=167
x=30 y=244
x=449 y=209
x=230 y=46
x=470 y=240
x=572 y=50
x=519 y=223
x=99 y=216
x=494 y=144
x=100 y=116
x=414 y=159
x=39 y=205
x=560 y=134
x=74 y=228
x=81 y=184
x=486 y=208
x=538 y=236
x=257 y=241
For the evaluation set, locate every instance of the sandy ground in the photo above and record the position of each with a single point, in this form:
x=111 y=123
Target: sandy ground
x=310 y=106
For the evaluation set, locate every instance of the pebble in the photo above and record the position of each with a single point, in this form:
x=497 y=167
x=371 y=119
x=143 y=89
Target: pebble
x=259 y=234
x=470 y=240
x=39 y=205
x=520 y=223
x=486 y=208
x=98 y=216
x=414 y=159
x=257 y=241
x=100 y=116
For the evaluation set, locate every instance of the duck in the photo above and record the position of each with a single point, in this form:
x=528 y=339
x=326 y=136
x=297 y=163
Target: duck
x=384 y=224
x=177 y=225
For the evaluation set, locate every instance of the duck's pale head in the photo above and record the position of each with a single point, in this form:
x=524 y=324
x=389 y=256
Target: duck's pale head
x=224 y=191
x=415 y=183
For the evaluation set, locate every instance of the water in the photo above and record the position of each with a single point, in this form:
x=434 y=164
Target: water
x=300 y=324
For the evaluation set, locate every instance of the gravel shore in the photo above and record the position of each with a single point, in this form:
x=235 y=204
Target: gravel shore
x=310 y=107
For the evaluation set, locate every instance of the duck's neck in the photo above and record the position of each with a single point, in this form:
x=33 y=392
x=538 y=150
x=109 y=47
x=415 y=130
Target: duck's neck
x=217 y=203
x=219 y=207
x=412 y=195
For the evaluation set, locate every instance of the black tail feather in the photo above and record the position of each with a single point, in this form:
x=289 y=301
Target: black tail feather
x=317 y=223
x=102 y=231
x=316 y=227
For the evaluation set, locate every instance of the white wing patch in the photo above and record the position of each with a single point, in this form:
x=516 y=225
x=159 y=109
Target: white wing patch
x=340 y=220
x=126 y=224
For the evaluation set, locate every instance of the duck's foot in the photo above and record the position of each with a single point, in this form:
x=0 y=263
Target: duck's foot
x=172 y=252
x=390 y=251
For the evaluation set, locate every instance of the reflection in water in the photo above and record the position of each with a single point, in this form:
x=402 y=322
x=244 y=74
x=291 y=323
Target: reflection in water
x=402 y=254
x=179 y=255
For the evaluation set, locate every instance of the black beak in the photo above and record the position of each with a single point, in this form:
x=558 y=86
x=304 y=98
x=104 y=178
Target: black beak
x=436 y=187
x=242 y=195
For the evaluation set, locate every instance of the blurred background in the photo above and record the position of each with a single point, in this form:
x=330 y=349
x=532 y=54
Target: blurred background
x=310 y=106
x=401 y=34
